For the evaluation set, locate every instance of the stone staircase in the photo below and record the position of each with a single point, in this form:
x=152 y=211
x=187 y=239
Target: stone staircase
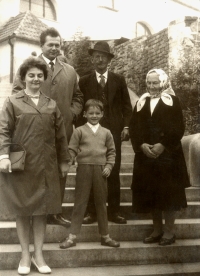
x=132 y=258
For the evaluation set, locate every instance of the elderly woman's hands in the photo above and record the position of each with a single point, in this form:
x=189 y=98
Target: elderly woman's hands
x=152 y=151
x=158 y=149
x=5 y=165
x=147 y=150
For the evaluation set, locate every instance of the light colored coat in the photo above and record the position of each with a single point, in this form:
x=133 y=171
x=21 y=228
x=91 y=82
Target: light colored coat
x=61 y=86
x=40 y=129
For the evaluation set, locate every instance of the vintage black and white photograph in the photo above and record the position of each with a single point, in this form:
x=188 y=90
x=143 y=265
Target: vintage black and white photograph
x=100 y=137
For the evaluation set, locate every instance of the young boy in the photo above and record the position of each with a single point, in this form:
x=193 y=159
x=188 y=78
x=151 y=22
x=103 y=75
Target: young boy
x=95 y=150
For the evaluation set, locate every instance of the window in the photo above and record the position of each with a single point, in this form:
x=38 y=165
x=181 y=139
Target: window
x=142 y=29
x=40 y=8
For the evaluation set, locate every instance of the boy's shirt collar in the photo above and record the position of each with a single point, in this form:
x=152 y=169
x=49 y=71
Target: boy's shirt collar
x=93 y=127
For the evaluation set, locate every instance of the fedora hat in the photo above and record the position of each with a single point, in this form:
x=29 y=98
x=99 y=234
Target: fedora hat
x=101 y=46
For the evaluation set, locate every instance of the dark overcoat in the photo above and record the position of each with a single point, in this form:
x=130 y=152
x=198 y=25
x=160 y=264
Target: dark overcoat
x=158 y=183
x=61 y=85
x=40 y=129
x=119 y=104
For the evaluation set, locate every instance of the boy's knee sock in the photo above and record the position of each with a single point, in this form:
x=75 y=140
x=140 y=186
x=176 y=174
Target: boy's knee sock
x=72 y=237
x=106 y=237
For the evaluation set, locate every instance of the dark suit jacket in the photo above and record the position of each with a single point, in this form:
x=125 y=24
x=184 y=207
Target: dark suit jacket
x=62 y=86
x=120 y=109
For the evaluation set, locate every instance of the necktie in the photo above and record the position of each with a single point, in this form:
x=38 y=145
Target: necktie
x=102 y=81
x=51 y=65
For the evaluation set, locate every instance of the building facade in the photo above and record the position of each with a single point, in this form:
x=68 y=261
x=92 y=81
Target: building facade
x=21 y=22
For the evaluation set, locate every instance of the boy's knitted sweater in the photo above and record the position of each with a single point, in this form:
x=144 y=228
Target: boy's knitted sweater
x=93 y=148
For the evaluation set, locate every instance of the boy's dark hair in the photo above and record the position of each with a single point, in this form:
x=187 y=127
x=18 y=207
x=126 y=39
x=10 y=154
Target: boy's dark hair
x=30 y=63
x=51 y=32
x=93 y=103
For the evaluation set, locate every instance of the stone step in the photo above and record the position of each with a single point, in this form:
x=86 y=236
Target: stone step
x=127 y=157
x=192 y=193
x=192 y=211
x=93 y=254
x=125 y=168
x=127 y=149
x=125 y=179
x=134 y=230
x=175 y=269
x=126 y=143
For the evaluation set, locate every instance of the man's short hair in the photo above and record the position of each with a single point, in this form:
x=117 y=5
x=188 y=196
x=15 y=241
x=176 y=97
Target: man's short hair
x=93 y=103
x=32 y=62
x=51 y=32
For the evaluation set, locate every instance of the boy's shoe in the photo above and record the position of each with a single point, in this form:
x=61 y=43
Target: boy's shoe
x=67 y=243
x=109 y=242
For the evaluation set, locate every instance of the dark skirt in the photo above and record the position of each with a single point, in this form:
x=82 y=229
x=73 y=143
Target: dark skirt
x=159 y=183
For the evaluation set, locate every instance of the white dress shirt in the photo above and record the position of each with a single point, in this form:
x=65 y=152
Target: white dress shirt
x=34 y=99
x=153 y=103
x=94 y=128
x=48 y=60
x=99 y=76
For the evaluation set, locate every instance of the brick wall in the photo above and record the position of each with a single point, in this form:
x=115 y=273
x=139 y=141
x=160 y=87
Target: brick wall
x=176 y=50
x=136 y=57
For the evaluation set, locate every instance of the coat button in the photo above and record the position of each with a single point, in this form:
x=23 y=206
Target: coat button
x=53 y=82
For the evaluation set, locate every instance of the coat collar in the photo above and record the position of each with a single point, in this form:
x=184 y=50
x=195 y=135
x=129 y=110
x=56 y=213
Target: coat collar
x=158 y=110
x=58 y=67
x=42 y=100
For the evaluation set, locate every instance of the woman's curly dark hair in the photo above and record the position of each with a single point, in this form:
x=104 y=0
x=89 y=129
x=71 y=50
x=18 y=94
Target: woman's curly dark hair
x=30 y=63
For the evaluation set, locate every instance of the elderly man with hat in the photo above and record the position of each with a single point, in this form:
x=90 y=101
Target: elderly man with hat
x=111 y=89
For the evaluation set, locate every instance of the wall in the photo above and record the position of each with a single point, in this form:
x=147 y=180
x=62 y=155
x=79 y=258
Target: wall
x=136 y=57
x=176 y=50
x=84 y=14
x=22 y=51
x=5 y=62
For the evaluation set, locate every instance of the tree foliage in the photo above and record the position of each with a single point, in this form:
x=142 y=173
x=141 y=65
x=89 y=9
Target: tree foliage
x=186 y=83
x=77 y=55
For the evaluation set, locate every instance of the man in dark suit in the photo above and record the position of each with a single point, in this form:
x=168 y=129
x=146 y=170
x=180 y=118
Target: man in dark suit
x=62 y=86
x=111 y=89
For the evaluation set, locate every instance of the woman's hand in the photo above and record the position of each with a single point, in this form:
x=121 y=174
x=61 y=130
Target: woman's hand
x=5 y=165
x=106 y=172
x=147 y=150
x=157 y=149
x=64 y=168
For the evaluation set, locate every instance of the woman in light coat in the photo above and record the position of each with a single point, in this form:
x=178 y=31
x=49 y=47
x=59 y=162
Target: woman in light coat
x=33 y=120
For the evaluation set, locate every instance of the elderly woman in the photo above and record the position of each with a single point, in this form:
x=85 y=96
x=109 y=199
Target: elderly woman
x=159 y=173
x=33 y=120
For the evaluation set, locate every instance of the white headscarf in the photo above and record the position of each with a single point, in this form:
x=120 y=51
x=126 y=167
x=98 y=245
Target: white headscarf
x=164 y=93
